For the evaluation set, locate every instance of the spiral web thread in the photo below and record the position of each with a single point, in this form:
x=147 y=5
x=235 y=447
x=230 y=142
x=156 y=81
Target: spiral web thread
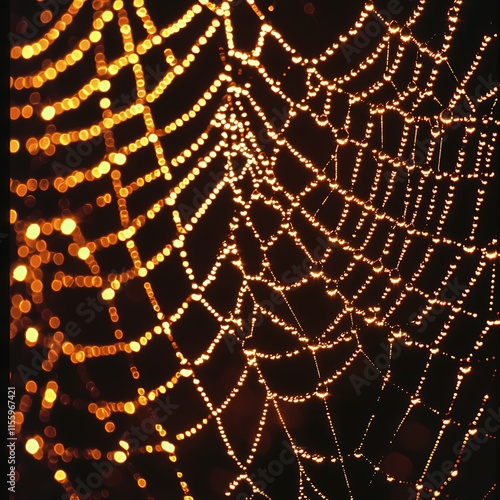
x=409 y=200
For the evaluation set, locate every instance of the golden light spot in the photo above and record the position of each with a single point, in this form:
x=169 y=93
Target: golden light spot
x=27 y=52
x=79 y=357
x=129 y=408
x=84 y=253
x=60 y=476
x=119 y=457
x=124 y=444
x=68 y=348
x=68 y=226
x=20 y=272
x=108 y=294
x=109 y=426
x=32 y=446
x=135 y=346
x=14 y=145
x=33 y=231
x=95 y=36
x=48 y=113
x=31 y=335
x=168 y=447
x=104 y=85
x=118 y=159
x=50 y=395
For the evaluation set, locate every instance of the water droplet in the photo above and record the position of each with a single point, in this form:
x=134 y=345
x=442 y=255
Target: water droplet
x=322 y=394
x=395 y=276
x=393 y=27
x=322 y=120
x=426 y=170
x=370 y=317
x=436 y=132
x=280 y=140
x=342 y=137
x=491 y=252
x=405 y=34
x=446 y=116
x=410 y=164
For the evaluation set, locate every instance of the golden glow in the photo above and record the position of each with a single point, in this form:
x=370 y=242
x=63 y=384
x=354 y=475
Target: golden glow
x=31 y=335
x=14 y=145
x=32 y=446
x=33 y=231
x=48 y=113
x=168 y=447
x=84 y=253
x=68 y=226
x=119 y=159
x=20 y=272
x=108 y=294
x=124 y=445
x=119 y=457
x=60 y=476
x=130 y=408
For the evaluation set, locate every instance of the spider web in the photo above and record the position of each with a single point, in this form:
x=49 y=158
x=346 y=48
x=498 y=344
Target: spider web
x=297 y=252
